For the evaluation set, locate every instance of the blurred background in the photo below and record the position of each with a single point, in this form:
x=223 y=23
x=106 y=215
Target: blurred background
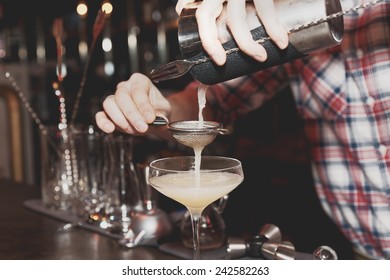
x=137 y=36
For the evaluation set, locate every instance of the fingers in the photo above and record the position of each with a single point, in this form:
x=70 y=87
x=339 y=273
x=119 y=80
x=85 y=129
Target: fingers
x=133 y=106
x=104 y=123
x=206 y=16
x=237 y=23
x=116 y=116
x=209 y=10
x=140 y=108
x=266 y=11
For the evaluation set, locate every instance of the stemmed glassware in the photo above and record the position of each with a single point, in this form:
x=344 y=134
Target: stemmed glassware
x=178 y=179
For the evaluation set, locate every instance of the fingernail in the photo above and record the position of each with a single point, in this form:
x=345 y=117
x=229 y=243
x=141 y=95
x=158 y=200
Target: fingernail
x=260 y=58
x=282 y=42
x=149 y=116
x=260 y=54
x=219 y=59
x=108 y=127
x=141 y=126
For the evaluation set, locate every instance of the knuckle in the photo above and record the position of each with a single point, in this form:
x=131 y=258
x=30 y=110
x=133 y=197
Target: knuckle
x=136 y=76
x=123 y=84
x=109 y=99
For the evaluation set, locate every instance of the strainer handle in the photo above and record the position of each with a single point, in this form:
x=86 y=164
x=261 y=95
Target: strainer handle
x=223 y=131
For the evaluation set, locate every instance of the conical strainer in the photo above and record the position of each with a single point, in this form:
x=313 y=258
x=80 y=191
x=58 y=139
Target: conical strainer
x=194 y=134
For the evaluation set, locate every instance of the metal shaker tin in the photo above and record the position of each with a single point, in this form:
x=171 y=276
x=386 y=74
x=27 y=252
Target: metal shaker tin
x=290 y=13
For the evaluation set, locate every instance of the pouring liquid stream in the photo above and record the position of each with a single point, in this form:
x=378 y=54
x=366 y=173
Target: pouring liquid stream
x=193 y=188
x=199 y=148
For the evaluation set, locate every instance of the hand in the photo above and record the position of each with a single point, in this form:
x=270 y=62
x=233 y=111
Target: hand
x=209 y=10
x=135 y=104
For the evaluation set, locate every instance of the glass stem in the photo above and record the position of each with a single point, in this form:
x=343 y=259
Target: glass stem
x=195 y=219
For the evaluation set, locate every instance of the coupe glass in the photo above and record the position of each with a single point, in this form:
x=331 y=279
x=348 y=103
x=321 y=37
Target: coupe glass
x=177 y=178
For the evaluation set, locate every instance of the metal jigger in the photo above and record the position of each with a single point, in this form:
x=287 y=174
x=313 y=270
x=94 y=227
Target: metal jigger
x=284 y=250
x=325 y=253
x=271 y=232
x=268 y=244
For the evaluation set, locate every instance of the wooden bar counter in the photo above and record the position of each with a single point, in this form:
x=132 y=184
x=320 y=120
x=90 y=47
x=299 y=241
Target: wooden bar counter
x=26 y=234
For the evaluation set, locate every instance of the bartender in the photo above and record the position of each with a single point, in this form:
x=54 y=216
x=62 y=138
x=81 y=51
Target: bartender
x=341 y=93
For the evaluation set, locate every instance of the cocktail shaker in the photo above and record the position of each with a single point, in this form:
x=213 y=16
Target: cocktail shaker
x=290 y=13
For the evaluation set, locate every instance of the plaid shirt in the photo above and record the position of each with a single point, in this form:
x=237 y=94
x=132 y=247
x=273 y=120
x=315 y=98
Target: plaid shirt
x=343 y=96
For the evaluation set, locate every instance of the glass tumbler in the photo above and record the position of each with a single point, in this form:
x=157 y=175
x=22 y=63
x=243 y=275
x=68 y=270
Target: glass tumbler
x=64 y=176
x=122 y=192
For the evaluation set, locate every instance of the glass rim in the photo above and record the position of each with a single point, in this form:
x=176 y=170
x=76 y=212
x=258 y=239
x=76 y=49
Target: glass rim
x=154 y=162
x=208 y=126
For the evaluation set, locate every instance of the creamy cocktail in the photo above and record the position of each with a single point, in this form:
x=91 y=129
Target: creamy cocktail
x=193 y=193
x=176 y=178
